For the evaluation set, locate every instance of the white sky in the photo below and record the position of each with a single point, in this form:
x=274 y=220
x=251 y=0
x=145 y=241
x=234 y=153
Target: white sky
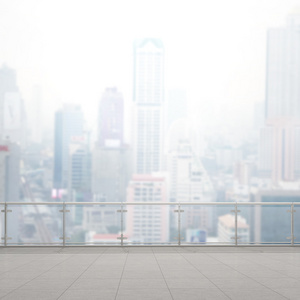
x=74 y=49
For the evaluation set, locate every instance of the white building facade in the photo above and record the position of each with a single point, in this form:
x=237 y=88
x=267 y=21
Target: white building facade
x=148 y=97
x=279 y=139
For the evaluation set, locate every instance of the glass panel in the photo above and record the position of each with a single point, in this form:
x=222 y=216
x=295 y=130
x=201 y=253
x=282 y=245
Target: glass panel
x=93 y=224
x=34 y=224
x=151 y=224
x=264 y=224
x=297 y=224
x=207 y=224
x=1 y=225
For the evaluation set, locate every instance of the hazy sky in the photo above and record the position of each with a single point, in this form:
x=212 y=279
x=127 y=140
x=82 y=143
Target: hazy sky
x=74 y=49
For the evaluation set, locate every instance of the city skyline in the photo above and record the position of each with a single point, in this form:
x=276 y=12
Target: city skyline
x=191 y=61
x=195 y=162
x=149 y=149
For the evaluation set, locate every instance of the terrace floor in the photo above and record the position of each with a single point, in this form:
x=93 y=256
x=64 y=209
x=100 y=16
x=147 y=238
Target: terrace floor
x=150 y=273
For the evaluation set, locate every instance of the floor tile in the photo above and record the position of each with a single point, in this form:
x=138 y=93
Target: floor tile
x=48 y=284
x=4 y=292
x=290 y=293
x=33 y=294
x=198 y=294
x=192 y=283
x=274 y=283
x=103 y=294
x=245 y=283
x=144 y=294
x=142 y=284
x=261 y=294
x=99 y=283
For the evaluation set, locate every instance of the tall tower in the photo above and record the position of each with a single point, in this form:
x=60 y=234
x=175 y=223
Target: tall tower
x=111 y=159
x=12 y=111
x=110 y=120
x=7 y=85
x=148 y=97
x=68 y=124
x=279 y=139
x=36 y=115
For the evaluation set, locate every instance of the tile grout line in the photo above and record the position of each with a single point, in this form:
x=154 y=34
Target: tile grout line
x=36 y=276
x=81 y=274
x=205 y=276
x=13 y=269
x=248 y=276
x=162 y=274
x=127 y=253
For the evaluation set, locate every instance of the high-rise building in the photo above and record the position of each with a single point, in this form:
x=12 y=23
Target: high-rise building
x=148 y=102
x=9 y=171
x=36 y=118
x=12 y=111
x=68 y=123
x=189 y=182
x=80 y=165
x=110 y=118
x=283 y=72
x=279 y=138
x=7 y=85
x=10 y=185
x=79 y=181
x=112 y=170
x=147 y=224
x=112 y=159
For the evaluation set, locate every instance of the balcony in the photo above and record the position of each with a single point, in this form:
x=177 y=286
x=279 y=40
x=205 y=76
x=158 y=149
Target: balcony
x=150 y=273
x=149 y=250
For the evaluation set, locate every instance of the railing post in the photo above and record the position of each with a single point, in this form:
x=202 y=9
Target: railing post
x=292 y=224
x=63 y=211
x=122 y=238
x=292 y=237
x=179 y=225
x=5 y=211
x=235 y=211
x=179 y=211
x=64 y=224
x=5 y=224
x=236 y=224
x=122 y=224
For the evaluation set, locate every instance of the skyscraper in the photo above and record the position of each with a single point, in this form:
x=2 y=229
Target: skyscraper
x=68 y=123
x=12 y=111
x=9 y=171
x=36 y=116
x=112 y=159
x=110 y=120
x=79 y=165
x=279 y=138
x=283 y=71
x=148 y=97
x=7 y=84
x=10 y=158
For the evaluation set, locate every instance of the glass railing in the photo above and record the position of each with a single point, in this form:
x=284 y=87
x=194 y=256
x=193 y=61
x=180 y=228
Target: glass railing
x=149 y=223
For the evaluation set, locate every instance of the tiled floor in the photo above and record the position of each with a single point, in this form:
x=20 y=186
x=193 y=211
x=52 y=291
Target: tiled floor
x=150 y=273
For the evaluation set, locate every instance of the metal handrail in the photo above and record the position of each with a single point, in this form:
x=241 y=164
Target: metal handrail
x=178 y=210
x=151 y=203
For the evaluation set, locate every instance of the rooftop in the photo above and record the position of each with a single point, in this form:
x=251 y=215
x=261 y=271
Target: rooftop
x=150 y=273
